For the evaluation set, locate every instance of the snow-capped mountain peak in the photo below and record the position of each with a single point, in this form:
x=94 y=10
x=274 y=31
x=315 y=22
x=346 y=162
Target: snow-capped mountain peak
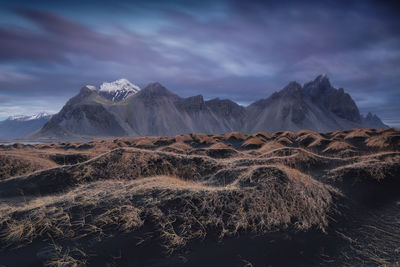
x=121 y=84
x=28 y=118
x=118 y=90
x=39 y=115
x=16 y=117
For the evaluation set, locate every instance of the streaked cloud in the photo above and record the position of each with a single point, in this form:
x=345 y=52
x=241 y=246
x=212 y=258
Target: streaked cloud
x=243 y=50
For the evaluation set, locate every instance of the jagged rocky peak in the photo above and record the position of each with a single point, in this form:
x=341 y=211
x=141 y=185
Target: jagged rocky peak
x=371 y=116
x=323 y=80
x=318 y=86
x=321 y=88
x=335 y=100
x=372 y=121
x=321 y=93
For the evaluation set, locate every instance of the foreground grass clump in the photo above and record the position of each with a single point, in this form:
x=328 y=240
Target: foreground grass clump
x=178 y=210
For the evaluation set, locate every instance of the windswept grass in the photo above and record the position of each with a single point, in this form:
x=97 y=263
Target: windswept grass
x=179 y=190
x=263 y=199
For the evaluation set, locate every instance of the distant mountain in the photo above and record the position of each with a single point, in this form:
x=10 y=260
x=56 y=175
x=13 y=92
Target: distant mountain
x=19 y=126
x=116 y=91
x=154 y=110
x=36 y=116
x=372 y=121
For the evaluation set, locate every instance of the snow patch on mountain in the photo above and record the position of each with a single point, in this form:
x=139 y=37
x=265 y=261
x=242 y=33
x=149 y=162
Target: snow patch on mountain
x=117 y=90
x=31 y=117
x=91 y=87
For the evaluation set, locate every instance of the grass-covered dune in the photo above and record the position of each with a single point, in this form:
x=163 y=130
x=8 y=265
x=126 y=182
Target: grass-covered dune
x=285 y=198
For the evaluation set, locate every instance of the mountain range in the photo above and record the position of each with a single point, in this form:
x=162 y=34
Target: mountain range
x=123 y=109
x=20 y=126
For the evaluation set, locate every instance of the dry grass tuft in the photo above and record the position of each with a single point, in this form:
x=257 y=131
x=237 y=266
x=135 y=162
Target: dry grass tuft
x=144 y=143
x=264 y=135
x=203 y=139
x=178 y=147
x=337 y=146
x=377 y=167
x=388 y=140
x=260 y=200
x=270 y=146
x=19 y=164
x=183 y=138
x=234 y=136
x=358 y=134
x=253 y=143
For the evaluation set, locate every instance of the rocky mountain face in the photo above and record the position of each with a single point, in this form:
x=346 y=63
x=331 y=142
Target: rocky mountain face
x=85 y=114
x=154 y=111
x=15 y=127
x=157 y=111
x=316 y=105
x=337 y=101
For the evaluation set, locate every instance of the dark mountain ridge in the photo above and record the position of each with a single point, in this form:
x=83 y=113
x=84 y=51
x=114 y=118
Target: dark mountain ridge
x=335 y=100
x=316 y=106
x=154 y=111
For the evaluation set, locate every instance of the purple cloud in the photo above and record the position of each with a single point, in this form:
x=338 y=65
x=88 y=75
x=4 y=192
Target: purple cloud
x=243 y=50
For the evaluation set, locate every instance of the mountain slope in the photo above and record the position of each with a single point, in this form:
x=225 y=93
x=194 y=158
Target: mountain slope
x=150 y=112
x=155 y=111
x=83 y=115
x=20 y=126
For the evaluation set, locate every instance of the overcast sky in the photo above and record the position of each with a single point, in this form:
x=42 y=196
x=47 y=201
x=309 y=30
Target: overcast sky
x=242 y=50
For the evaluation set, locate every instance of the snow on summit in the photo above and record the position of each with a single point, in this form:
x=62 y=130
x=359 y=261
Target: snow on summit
x=121 y=84
x=118 y=90
x=31 y=117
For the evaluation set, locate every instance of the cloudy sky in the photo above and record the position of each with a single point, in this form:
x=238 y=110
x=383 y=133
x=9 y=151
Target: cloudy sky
x=242 y=50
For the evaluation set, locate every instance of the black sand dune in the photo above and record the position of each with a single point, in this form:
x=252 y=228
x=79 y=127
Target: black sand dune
x=281 y=199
